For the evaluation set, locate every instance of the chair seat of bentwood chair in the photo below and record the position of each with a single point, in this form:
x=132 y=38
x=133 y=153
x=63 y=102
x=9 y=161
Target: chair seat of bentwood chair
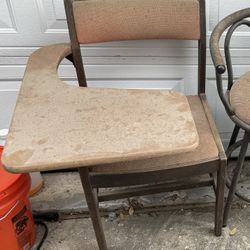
x=239 y=97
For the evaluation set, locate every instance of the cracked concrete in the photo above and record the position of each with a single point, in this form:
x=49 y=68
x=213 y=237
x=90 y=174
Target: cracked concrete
x=181 y=229
x=174 y=220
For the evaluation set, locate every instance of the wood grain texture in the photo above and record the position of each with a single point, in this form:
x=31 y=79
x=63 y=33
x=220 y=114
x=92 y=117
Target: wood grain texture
x=59 y=126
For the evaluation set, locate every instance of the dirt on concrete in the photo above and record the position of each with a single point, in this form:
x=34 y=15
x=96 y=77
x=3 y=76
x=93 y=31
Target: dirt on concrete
x=181 y=229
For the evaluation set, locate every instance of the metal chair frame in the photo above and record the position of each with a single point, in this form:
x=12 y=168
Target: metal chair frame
x=153 y=181
x=232 y=22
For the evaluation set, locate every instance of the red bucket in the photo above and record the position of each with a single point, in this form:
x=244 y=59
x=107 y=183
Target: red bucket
x=17 y=231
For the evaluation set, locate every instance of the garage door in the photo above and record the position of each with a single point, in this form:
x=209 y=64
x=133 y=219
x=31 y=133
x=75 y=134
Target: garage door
x=28 y=24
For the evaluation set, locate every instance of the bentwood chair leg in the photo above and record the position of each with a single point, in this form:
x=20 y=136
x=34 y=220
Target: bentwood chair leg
x=220 y=198
x=93 y=207
x=238 y=169
x=234 y=135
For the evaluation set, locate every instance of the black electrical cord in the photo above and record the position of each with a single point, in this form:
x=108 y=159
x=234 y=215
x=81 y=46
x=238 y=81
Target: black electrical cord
x=39 y=218
x=46 y=230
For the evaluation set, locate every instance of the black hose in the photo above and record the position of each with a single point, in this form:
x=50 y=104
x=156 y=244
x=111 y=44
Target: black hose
x=46 y=230
x=39 y=218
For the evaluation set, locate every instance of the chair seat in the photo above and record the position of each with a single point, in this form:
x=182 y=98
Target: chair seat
x=240 y=97
x=206 y=151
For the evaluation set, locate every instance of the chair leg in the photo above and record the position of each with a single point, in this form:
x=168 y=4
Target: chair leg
x=234 y=135
x=93 y=207
x=219 y=208
x=234 y=182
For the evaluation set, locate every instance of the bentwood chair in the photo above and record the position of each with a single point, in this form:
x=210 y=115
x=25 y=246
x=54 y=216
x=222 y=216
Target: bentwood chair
x=236 y=99
x=151 y=141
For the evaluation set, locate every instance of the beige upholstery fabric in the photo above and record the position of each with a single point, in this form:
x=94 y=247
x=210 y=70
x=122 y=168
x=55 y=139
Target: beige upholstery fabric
x=67 y=126
x=114 y=20
x=240 y=97
x=207 y=149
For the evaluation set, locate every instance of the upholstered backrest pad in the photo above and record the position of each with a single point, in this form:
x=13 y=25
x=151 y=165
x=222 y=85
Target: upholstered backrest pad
x=114 y=20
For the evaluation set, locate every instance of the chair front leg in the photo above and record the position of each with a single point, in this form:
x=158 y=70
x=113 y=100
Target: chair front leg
x=238 y=169
x=92 y=202
x=219 y=207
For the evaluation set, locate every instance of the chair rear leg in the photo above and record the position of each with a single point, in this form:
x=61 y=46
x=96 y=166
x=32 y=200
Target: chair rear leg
x=234 y=135
x=219 y=208
x=92 y=202
x=238 y=169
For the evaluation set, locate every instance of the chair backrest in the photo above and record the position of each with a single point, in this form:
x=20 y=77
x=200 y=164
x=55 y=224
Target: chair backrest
x=93 y=21
x=114 y=20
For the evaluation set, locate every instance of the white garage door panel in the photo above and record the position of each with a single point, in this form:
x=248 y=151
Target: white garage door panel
x=124 y=56
x=8 y=94
x=28 y=24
